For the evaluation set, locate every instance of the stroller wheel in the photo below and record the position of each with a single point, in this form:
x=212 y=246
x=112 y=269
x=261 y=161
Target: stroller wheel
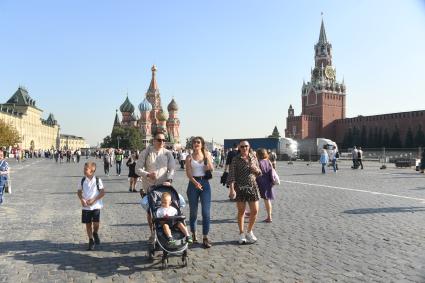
x=184 y=261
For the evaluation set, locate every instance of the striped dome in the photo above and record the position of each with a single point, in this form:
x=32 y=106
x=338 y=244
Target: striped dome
x=145 y=106
x=127 y=106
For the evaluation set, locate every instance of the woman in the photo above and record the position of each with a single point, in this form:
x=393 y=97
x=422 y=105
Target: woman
x=265 y=181
x=324 y=159
x=199 y=188
x=4 y=173
x=242 y=183
x=131 y=163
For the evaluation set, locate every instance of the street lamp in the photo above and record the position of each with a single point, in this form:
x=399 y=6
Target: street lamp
x=118 y=139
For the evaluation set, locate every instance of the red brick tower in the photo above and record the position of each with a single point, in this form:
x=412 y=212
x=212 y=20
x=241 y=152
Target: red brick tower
x=153 y=96
x=323 y=98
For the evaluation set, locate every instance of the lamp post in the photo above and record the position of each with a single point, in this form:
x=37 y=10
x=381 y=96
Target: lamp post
x=118 y=140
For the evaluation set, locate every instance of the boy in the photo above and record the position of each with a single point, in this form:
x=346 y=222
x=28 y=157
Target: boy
x=90 y=193
x=166 y=210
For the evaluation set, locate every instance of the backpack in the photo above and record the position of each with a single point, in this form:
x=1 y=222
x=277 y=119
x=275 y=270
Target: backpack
x=97 y=182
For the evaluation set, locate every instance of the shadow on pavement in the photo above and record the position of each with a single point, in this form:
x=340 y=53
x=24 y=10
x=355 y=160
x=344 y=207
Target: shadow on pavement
x=385 y=210
x=70 y=256
x=418 y=189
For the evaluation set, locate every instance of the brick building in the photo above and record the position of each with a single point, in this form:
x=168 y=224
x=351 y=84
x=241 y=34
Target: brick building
x=323 y=112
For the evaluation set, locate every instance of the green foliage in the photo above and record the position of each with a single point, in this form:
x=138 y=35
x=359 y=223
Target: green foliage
x=9 y=135
x=127 y=138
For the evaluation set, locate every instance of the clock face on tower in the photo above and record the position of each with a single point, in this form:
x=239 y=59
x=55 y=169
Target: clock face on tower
x=329 y=72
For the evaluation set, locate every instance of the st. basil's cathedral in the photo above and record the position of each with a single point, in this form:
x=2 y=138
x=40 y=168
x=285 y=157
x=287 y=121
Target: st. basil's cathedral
x=152 y=117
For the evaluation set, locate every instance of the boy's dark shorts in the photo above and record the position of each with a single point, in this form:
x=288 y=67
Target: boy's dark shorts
x=89 y=216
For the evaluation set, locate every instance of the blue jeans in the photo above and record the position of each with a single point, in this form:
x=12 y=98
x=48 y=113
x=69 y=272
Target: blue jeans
x=3 y=181
x=118 y=165
x=193 y=195
x=324 y=168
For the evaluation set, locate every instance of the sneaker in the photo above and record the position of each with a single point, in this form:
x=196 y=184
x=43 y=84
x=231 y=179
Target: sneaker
x=189 y=239
x=242 y=239
x=250 y=238
x=96 y=238
x=91 y=245
x=171 y=242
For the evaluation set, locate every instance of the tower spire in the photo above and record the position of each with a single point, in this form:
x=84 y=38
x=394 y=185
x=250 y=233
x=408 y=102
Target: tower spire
x=322 y=36
x=153 y=85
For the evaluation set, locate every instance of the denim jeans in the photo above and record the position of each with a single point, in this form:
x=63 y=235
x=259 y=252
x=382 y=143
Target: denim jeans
x=193 y=195
x=324 y=168
x=334 y=165
x=118 y=165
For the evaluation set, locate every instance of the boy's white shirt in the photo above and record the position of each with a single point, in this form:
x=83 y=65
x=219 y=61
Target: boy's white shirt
x=166 y=211
x=90 y=191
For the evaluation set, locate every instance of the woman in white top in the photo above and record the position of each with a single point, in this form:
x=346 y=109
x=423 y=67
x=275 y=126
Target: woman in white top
x=199 y=188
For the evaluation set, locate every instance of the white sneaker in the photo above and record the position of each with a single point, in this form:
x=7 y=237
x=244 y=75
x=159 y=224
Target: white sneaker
x=250 y=238
x=242 y=239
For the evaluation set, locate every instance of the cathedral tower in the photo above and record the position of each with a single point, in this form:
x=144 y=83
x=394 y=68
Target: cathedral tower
x=173 y=122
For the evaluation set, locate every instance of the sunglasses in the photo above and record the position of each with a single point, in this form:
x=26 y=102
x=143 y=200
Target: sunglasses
x=160 y=140
x=196 y=141
x=244 y=146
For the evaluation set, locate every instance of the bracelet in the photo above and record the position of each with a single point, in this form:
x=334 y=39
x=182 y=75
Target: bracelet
x=170 y=180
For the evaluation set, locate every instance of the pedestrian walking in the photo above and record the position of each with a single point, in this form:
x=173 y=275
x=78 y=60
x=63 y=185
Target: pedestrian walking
x=4 y=175
x=354 y=155
x=230 y=155
x=360 y=157
x=106 y=162
x=118 y=160
x=90 y=193
x=324 y=159
x=156 y=166
x=265 y=182
x=244 y=170
x=183 y=157
x=272 y=158
x=131 y=164
x=333 y=157
x=199 y=189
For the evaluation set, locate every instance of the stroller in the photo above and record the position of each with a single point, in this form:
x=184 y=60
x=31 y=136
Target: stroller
x=161 y=242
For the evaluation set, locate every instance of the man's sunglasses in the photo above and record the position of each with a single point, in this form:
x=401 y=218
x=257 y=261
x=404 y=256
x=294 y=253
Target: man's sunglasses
x=160 y=140
x=243 y=146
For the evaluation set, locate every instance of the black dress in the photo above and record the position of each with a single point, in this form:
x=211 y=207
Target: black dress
x=132 y=168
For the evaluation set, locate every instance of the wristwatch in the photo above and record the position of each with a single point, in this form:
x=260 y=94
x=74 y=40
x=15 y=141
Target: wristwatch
x=170 y=180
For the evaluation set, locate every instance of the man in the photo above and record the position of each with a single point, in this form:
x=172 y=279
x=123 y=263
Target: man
x=183 y=156
x=354 y=155
x=156 y=166
x=360 y=157
x=118 y=160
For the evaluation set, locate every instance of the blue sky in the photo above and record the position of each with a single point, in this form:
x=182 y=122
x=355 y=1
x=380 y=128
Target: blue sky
x=232 y=66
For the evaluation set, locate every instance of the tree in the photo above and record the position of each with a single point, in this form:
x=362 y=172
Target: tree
x=386 y=139
x=363 y=136
x=409 y=141
x=395 y=139
x=127 y=138
x=9 y=135
x=420 y=137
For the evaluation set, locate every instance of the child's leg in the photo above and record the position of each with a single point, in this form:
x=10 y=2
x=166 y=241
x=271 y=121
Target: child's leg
x=89 y=230
x=167 y=230
x=183 y=228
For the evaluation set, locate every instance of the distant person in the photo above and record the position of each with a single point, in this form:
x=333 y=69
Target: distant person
x=422 y=166
x=131 y=164
x=272 y=157
x=230 y=155
x=90 y=193
x=119 y=155
x=333 y=157
x=106 y=162
x=4 y=175
x=324 y=159
x=360 y=157
x=183 y=157
x=354 y=155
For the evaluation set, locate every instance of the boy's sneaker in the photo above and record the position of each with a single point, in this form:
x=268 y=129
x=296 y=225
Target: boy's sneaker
x=189 y=239
x=96 y=238
x=171 y=242
x=250 y=238
x=91 y=245
x=242 y=239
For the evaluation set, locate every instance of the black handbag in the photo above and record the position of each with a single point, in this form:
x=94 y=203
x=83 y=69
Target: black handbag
x=208 y=173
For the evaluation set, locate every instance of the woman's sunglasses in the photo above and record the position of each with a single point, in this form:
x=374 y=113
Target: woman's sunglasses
x=243 y=146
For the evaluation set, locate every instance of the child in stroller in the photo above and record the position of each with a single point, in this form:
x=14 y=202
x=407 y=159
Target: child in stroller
x=165 y=211
x=170 y=234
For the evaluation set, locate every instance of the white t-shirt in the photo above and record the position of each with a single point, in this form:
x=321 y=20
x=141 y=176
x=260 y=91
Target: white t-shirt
x=166 y=211
x=90 y=191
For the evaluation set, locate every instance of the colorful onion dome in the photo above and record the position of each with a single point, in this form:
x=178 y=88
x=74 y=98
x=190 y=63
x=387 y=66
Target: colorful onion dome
x=145 y=106
x=127 y=106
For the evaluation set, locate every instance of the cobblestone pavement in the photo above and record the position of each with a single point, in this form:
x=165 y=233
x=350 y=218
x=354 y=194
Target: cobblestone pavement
x=353 y=226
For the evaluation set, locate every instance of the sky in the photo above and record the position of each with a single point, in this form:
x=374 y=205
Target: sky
x=233 y=67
